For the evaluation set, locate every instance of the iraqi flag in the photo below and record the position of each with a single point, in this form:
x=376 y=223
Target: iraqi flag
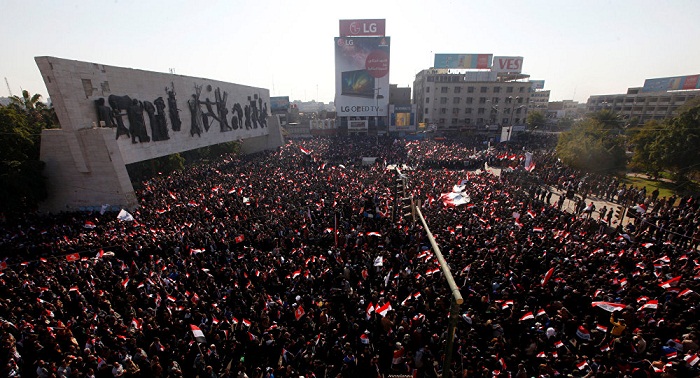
x=198 y=334
x=541 y=312
x=73 y=257
x=299 y=312
x=670 y=282
x=641 y=208
x=89 y=225
x=583 y=333
x=541 y=355
x=609 y=306
x=692 y=359
x=601 y=328
x=652 y=305
x=558 y=344
x=547 y=276
x=455 y=199
x=370 y=310
x=304 y=150
x=384 y=309
x=685 y=292
x=527 y=316
x=582 y=365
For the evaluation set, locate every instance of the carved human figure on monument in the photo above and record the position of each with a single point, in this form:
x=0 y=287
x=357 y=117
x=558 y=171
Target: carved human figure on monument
x=172 y=108
x=247 y=116
x=151 y=111
x=104 y=113
x=161 y=122
x=196 y=112
x=254 y=111
x=221 y=108
x=263 y=114
x=137 y=124
x=119 y=103
x=237 y=119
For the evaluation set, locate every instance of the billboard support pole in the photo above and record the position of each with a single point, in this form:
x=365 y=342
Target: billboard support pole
x=457 y=299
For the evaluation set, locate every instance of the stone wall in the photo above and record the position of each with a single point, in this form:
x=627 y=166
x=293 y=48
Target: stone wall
x=113 y=116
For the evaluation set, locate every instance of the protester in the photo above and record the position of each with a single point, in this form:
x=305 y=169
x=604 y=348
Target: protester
x=299 y=261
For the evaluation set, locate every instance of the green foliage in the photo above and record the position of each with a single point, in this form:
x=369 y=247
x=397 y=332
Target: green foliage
x=536 y=119
x=592 y=147
x=23 y=186
x=670 y=145
x=607 y=119
x=16 y=139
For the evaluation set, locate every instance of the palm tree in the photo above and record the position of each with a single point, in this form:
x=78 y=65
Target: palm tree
x=27 y=103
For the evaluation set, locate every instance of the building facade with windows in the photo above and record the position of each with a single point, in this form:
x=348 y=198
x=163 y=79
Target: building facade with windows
x=476 y=100
x=539 y=100
x=658 y=99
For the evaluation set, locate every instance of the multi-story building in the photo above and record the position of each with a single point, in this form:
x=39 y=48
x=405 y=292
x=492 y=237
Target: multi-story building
x=562 y=109
x=658 y=99
x=470 y=100
x=539 y=101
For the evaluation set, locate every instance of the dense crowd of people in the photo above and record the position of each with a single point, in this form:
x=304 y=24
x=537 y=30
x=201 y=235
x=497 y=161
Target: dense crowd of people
x=297 y=263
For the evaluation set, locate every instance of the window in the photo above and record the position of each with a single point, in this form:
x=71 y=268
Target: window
x=494 y=100
x=504 y=121
x=455 y=111
x=443 y=110
x=458 y=89
x=427 y=100
x=509 y=89
x=441 y=121
x=427 y=90
x=455 y=121
x=479 y=121
x=427 y=110
x=468 y=111
x=470 y=89
x=443 y=90
x=469 y=100
x=481 y=111
x=482 y=100
x=443 y=100
x=496 y=89
x=521 y=89
x=467 y=121
x=484 y=89
x=456 y=100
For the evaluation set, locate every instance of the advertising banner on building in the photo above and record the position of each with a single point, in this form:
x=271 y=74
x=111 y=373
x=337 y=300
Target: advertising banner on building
x=357 y=125
x=676 y=83
x=362 y=76
x=279 y=104
x=537 y=84
x=463 y=61
x=512 y=64
x=402 y=117
x=362 y=28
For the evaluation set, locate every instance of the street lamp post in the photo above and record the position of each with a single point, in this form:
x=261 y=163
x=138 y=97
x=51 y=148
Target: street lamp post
x=377 y=96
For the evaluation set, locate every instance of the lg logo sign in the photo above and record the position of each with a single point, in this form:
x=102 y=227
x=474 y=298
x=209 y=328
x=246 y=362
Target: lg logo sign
x=357 y=28
x=345 y=42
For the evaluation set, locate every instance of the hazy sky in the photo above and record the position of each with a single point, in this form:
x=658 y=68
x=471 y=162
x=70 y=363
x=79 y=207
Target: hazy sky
x=580 y=48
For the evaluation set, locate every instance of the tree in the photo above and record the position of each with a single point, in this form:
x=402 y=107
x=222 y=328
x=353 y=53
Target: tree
x=608 y=119
x=645 y=154
x=22 y=185
x=536 y=119
x=592 y=147
x=677 y=146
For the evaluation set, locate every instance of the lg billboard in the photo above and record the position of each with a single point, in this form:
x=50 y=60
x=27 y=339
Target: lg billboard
x=362 y=28
x=362 y=76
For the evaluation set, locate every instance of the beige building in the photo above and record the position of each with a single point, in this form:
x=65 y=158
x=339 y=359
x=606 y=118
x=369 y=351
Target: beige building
x=450 y=102
x=639 y=107
x=539 y=101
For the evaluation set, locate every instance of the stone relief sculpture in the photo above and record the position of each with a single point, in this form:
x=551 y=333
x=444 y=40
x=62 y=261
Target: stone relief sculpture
x=137 y=124
x=119 y=104
x=196 y=125
x=161 y=122
x=237 y=118
x=104 y=113
x=173 y=111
